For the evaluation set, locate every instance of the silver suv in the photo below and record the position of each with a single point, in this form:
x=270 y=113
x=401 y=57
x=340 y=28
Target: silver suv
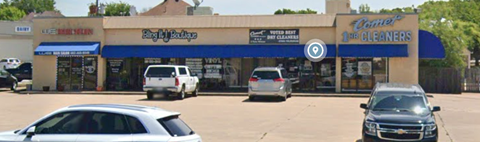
x=269 y=81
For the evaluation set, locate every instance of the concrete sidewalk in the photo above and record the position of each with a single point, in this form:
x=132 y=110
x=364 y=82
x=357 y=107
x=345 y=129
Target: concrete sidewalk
x=200 y=94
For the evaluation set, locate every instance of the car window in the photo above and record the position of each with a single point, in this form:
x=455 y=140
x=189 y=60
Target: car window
x=175 y=126
x=390 y=102
x=63 y=123
x=266 y=74
x=10 y=60
x=135 y=125
x=3 y=60
x=183 y=71
x=18 y=61
x=160 y=72
x=284 y=73
x=107 y=123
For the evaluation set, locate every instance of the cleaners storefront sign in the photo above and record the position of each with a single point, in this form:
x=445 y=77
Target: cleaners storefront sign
x=275 y=36
x=167 y=35
x=362 y=31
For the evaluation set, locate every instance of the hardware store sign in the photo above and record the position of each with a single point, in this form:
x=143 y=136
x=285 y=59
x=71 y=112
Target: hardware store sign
x=274 y=36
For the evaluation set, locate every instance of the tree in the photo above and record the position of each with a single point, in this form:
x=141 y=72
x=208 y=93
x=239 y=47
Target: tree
x=289 y=11
x=117 y=9
x=28 y=6
x=11 y=13
x=364 y=8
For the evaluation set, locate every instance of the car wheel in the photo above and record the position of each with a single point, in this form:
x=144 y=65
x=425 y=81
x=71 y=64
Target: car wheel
x=181 y=95
x=149 y=95
x=195 y=93
x=14 y=86
x=284 y=97
x=251 y=98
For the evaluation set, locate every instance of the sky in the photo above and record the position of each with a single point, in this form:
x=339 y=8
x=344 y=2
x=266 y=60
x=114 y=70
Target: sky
x=238 y=7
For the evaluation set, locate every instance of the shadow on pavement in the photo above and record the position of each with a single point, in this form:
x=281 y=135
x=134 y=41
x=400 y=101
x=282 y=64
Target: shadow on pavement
x=264 y=100
x=166 y=99
x=359 y=140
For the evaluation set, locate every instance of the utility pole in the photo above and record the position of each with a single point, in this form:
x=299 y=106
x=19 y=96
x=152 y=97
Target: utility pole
x=97 y=8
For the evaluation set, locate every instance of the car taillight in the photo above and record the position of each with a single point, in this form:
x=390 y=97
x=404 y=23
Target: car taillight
x=279 y=80
x=253 y=79
x=177 y=83
x=144 y=81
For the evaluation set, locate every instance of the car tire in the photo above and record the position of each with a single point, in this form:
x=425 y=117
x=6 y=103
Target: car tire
x=181 y=94
x=284 y=98
x=149 y=95
x=251 y=98
x=195 y=93
x=14 y=86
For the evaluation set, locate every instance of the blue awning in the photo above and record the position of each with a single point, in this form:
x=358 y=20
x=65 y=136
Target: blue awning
x=429 y=46
x=207 y=51
x=373 y=50
x=68 y=48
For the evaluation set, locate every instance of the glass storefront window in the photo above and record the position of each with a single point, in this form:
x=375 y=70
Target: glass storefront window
x=361 y=74
x=76 y=73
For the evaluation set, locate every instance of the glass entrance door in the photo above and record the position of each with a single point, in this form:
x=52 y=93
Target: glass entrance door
x=69 y=73
x=361 y=74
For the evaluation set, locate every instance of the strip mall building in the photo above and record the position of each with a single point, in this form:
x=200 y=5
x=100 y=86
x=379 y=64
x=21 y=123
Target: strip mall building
x=112 y=53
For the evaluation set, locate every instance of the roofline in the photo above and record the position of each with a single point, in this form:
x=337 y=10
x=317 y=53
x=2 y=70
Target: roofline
x=377 y=14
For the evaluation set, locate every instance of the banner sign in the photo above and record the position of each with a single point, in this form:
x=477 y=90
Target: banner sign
x=264 y=36
x=362 y=27
x=167 y=35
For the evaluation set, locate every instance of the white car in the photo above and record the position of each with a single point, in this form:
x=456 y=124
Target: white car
x=106 y=122
x=269 y=81
x=170 y=79
x=9 y=63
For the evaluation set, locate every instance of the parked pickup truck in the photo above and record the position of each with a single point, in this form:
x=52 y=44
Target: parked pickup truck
x=170 y=80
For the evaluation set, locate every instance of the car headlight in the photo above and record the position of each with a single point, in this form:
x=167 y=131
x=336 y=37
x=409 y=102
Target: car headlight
x=430 y=131
x=371 y=128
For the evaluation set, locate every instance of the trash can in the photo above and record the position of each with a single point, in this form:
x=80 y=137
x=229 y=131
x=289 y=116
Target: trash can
x=46 y=88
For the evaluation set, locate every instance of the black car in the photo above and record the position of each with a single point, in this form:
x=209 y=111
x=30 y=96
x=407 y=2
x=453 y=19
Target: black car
x=399 y=112
x=11 y=77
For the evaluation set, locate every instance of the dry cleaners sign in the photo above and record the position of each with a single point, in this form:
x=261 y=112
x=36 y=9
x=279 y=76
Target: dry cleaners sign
x=167 y=35
x=363 y=30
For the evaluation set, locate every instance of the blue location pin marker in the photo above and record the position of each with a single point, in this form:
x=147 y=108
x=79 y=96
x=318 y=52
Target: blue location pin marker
x=314 y=50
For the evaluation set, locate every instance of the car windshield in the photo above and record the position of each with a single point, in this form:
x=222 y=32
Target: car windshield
x=160 y=72
x=399 y=102
x=266 y=74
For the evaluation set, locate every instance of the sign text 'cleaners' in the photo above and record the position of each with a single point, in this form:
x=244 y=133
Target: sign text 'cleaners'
x=363 y=30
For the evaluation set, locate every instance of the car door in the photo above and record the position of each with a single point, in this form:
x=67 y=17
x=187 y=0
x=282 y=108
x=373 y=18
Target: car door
x=288 y=82
x=59 y=127
x=105 y=126
x=187 y=79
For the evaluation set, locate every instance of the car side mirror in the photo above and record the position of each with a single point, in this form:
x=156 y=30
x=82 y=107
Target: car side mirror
x=363 y=106
x=31 y=131
x=436 y=108
x=173 y=74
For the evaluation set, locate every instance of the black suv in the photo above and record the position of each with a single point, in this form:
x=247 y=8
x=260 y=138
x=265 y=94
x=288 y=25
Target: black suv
x=399 y=112
x=11 y=77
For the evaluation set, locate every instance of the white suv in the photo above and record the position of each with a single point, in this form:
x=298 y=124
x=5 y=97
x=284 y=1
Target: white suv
x=9 y=63
x=269 y=81
x=106 y=122
x=170 y=79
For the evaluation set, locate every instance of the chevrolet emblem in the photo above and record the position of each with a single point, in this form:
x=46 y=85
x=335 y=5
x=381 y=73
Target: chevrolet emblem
x=401 y=132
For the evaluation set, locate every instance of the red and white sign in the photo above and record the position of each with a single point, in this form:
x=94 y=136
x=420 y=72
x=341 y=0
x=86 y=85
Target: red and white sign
x=79 y=31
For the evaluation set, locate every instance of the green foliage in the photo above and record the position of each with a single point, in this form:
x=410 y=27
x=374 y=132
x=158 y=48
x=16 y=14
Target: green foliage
x=117 y=9
x=364 y=8
x=289 y=11
x=11 y=13
x=28 y=6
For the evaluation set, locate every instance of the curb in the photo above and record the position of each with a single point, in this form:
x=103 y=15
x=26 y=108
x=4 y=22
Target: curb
x=207 y=94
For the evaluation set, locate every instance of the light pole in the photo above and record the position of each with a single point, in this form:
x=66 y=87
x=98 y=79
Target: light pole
x=97 y=7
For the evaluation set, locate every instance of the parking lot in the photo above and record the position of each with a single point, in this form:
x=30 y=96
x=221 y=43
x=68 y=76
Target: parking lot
x=235 y=119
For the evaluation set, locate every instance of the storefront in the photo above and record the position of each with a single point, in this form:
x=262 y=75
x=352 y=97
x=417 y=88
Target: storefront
x=223 y=50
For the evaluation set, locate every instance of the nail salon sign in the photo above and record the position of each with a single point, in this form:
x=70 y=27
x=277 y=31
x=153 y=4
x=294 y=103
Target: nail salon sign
x=364 y=30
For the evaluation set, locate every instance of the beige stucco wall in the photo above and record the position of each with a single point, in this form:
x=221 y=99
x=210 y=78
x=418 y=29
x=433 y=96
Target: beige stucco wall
x=401 y=70
x=44 y=71
x=210 y=36
x=17 y=47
